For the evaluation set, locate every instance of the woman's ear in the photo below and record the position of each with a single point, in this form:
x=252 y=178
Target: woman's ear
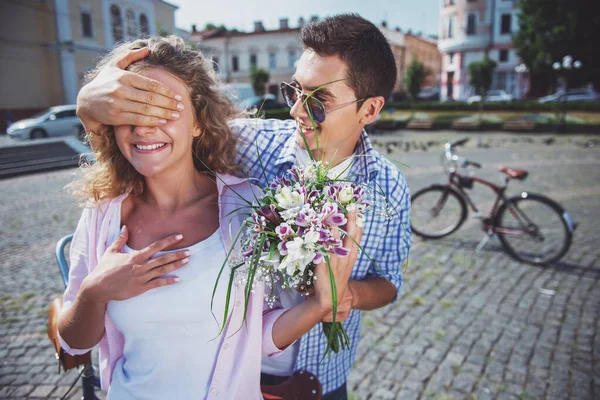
x=197 y=131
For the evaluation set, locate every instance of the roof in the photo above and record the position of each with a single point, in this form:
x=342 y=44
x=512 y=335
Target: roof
x=219 y=32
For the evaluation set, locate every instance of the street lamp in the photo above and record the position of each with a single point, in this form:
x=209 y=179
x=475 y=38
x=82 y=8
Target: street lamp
x=521 y=69
x=567 y=65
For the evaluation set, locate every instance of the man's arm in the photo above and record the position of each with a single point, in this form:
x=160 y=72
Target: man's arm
x=382 y=284
x=119 y=97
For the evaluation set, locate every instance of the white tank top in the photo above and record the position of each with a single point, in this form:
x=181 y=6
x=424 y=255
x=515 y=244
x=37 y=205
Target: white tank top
x=171 y=336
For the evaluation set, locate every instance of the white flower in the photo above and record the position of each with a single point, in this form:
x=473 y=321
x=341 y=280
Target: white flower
x=346 y=195
x=298 y=257
x=286 y=198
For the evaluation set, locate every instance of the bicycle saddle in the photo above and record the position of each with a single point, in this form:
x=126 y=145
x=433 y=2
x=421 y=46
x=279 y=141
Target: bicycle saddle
x=519 y=174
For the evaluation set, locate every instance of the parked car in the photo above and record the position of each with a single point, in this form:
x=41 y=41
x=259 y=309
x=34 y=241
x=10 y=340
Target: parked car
x=429 y=94
x=55 y=121
x=571 y=95
x=266 y=102
x=491 y=96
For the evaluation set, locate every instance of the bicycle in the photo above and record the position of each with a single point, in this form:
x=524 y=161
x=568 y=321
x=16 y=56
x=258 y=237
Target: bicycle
x=520 y=222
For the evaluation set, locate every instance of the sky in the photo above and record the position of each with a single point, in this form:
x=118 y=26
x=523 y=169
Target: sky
x=417 y=15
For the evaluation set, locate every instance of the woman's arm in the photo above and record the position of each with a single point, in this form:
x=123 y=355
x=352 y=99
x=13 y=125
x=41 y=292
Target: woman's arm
x=117 y=276
x=297 y=321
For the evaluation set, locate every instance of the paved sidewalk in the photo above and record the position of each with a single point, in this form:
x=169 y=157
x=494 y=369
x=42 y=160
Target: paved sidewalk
x=467 y=325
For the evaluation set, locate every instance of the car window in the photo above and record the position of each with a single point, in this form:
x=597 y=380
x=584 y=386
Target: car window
x=65 y=114
x=494 y=93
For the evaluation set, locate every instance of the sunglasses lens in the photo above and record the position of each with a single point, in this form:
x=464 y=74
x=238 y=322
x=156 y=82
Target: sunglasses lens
x=289 y=94
x=317 y=110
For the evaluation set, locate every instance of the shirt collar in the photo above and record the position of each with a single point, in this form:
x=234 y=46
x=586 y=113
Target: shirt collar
x=364 y=164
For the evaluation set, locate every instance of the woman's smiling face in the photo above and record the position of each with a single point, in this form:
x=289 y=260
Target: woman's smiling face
x=154 y=150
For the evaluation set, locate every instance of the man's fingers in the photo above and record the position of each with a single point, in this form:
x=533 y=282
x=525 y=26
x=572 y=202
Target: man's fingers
x=150 y=250
x=128 y=118
x=137 y=101
x=152 y=88
x=131 y=57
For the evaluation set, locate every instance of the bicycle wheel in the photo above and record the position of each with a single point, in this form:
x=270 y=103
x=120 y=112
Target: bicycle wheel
x=437 y=211
x=534 y=229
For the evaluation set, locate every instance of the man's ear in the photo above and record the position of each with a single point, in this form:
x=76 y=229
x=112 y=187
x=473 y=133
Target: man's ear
x=371 y=109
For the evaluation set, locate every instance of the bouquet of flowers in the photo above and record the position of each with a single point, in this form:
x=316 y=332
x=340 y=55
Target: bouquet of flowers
x=291 y=230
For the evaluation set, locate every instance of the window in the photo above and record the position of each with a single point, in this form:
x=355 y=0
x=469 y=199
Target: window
x=471 y=24
x=65 y=114
x=144 y=29
x=505 y=24
x=503 y=55
x=86 y=24
x=235 y=64
x=272 y=60
x=450 y=28
x=116 y=23
x=215 y=61
x=252 y=60
x=291 y=58
x=500 y=81
x=450 y=57
x=132 y=31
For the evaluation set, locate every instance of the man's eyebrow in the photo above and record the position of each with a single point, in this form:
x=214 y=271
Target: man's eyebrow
x=323 y=90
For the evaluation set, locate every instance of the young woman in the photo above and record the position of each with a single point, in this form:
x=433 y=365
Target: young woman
x=160 y=219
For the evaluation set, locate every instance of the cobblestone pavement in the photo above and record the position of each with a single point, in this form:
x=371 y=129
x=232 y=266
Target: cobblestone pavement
x=468 y=325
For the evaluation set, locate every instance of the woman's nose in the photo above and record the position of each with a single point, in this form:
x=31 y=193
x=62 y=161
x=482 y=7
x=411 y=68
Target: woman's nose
x=144 y=130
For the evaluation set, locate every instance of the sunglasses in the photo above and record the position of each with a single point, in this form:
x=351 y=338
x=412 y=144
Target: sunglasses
x=313 y=106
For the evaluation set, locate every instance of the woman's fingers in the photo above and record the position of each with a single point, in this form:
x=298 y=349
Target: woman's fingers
x=165 y=269
x=353 y=235
x=117 y=246
x=168 y=258
x=158 y=282
x=142 y=102
x=147 y=252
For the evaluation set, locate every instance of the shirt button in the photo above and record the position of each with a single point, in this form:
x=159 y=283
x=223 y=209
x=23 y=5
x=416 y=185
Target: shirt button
x=238 y=303
x=225 y=346
x=214 y=391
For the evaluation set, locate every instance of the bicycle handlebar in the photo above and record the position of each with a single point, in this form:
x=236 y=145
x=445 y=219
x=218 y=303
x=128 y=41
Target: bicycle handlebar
x=472 y=163
x=457 y=143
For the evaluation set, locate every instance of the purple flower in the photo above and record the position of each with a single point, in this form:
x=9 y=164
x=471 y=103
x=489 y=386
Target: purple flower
x=318 y=259
x=269 y=213
x=284 y=231
x=282 y=247
x=338 y=219
x=341 y=251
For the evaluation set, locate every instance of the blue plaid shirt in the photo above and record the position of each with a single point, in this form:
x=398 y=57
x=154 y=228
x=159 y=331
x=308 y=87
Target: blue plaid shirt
x=387 y=240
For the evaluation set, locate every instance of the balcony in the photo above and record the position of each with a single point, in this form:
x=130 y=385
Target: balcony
x=463 y=43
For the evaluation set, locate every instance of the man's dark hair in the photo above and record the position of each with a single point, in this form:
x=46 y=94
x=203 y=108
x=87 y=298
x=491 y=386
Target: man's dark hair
x=361 y=45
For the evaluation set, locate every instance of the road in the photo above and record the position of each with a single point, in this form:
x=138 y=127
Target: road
x=467 y=325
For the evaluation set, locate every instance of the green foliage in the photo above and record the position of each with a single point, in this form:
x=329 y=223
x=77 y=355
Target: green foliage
x=480 y=75
x=210 y=26
x=552 y=29
x=259 y=78
x=415 y=74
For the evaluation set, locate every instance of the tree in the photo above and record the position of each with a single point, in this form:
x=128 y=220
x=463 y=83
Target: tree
x=480 y=75
x=258 y=79
x=415 y=74
x=552 y=29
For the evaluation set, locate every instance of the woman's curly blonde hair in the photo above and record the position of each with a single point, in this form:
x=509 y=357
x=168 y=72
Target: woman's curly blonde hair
x=112 y=175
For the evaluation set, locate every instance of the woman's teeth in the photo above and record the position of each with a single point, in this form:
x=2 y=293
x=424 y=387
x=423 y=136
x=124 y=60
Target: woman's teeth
x=150 y=146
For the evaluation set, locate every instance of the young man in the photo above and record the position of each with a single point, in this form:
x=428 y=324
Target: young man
x=351 y=63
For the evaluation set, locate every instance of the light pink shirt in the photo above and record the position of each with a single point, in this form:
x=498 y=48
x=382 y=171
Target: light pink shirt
x=237 y=369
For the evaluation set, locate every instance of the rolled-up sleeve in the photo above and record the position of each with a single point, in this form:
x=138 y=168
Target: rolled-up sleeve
x=396 y=235
x=78 y=270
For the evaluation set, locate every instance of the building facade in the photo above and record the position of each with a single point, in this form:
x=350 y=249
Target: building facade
x=48 y=46
x=470 y=29
x=409 y=46
x=277 y=51
x=234 y=54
